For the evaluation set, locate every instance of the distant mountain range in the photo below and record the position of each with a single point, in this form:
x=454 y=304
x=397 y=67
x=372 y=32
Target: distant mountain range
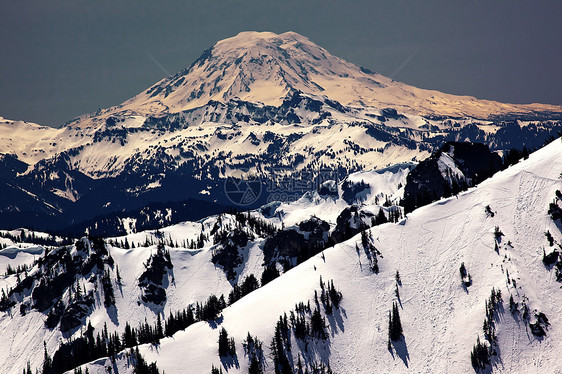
x=271 y=108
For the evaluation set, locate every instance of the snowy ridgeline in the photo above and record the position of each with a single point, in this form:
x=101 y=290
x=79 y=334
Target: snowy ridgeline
x=257 y=105
x=336 y=302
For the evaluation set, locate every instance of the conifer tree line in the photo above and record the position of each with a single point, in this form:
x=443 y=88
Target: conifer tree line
x=370 y=250
x=76 y=352
x=249 y=284
x=482 y=352
x=57 y=272
x=242 y=220
x=452 y=186
x=307 y=324
x=18 y=270
x=48 y=241
x=227 y=346
x=86 y=348
x=155 y=269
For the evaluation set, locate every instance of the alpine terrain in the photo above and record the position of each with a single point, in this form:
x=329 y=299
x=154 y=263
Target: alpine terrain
x=256 y=106
x=275 y=209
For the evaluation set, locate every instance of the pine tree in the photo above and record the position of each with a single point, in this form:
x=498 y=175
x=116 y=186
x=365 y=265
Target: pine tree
x=119 y=280
x=47 y=361
x=318 y=324
x=480 y=355
x=463 y=270
x=226 y=345
x=512 y=304
x=159 y=329
x=27 y=370
x=395 y=326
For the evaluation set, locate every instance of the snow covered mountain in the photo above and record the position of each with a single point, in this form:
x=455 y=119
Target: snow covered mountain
x=257 y=106
x=266 y=67
x=495 y=230
x=335 y=156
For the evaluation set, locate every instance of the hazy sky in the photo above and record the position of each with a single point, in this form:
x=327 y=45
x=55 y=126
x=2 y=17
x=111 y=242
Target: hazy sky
x=60 y=59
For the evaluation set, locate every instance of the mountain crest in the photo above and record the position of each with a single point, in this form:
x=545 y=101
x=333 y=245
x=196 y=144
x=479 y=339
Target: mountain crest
x=254 y=66
x=265 y=67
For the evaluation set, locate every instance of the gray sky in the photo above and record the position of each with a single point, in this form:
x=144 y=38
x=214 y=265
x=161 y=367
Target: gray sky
x=60 y=59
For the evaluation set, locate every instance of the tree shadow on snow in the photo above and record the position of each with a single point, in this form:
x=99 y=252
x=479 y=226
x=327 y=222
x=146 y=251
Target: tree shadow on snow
x=216 y=322
x=120 y=286
x=335 y=320
x=154 y=347
x=496 y=358
x=499 y=314
x=230 y=362
x=313 y=352
x=112 y=313
x=155 y=308
x=401 y=350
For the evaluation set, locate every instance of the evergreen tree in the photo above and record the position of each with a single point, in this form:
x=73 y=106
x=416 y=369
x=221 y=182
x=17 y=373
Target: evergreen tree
x=27 y=370
x=108 y=294
x=380 y=218
x=226 y=345
x=318 y=324
x=512 y=304
x=462 y=270
x=480 y=355
x=47 y=361
x=395 y=326
x=159 y=329
x=269 y=274
x=253 y=348
x=141 y=366
x=119 y=280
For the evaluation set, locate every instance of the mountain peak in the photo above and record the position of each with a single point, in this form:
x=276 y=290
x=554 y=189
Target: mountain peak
x=265 y=67
x=254 y=36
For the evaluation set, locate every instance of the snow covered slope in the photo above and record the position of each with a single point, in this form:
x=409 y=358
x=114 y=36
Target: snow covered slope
x=193 y=278
x=441 y=318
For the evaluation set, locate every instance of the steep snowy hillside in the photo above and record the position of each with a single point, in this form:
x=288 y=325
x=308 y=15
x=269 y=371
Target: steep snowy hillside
x=495 y=232
x=35 y=318
x=207 y=257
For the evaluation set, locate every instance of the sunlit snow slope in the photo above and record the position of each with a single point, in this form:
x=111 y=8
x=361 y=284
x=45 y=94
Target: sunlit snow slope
x=441 y=320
